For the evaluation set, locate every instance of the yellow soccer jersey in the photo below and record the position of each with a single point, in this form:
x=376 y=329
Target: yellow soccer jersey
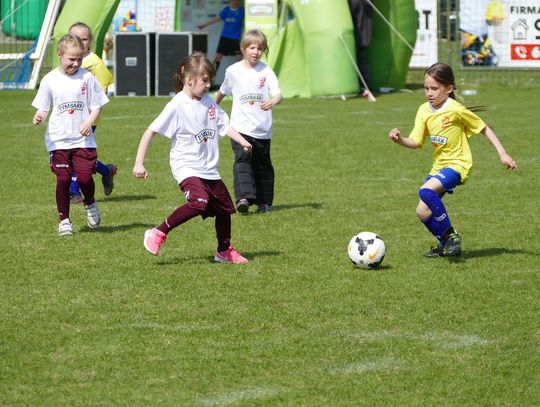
x=448 y=130
x=95 y=65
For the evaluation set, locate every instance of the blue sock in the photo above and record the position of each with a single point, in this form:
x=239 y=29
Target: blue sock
x=439 y=222
x=74 y=186
x=102 y=169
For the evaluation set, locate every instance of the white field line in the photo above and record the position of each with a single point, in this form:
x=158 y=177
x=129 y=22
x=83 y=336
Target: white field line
x=238 y=397
x=375 y=365
x=449 y=341
x=171 y=327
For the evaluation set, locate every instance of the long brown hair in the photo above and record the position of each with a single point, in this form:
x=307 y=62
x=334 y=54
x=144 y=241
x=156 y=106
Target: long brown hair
x=194 y=65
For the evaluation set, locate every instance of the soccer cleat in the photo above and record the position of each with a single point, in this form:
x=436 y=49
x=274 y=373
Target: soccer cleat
x=65 y=228
x=93 y=217
x=75 y=198
x=263 y=208
x=107 y=180
x=230 y=256
x=153 y=239
x=435 y=252
x=452 y=246
x=243 y=205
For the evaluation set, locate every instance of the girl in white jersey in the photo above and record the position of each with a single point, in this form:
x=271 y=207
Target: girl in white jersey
x=76 y=98
x=194 y=123
x=447 y=125
x=255 y=90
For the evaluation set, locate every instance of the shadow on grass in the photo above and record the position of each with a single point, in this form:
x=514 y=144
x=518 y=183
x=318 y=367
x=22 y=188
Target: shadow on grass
x=489 y=252
x=127 y=198
x=251 y=256
x=277 y=208
x=117 y=228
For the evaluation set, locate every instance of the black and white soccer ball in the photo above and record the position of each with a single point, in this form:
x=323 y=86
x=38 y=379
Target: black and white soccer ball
x=366 y=250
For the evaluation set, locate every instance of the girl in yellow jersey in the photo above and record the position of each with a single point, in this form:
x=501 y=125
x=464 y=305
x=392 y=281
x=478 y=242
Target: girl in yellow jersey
x=447 y=125
x=95 y=65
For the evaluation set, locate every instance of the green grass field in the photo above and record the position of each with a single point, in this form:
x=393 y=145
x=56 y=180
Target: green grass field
x=94 y=319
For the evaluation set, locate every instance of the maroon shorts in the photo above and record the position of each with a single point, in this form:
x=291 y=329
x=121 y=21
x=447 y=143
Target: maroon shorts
x=212 y=195
x=78 y=160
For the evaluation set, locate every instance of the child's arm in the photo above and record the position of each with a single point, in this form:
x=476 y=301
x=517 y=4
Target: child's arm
x=239 y=139
x=219 y=96
x=395 y=136
x=39 y=117
x=506 y=160
x=86 y=127
x=213 y=20
x=138 y=169
x=270 y=103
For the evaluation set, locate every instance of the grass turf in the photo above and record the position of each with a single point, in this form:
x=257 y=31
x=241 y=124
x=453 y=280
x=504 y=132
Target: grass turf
x=95 y=320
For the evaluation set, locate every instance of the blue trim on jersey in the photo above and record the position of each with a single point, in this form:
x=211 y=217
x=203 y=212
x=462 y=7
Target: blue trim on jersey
x=449 y=178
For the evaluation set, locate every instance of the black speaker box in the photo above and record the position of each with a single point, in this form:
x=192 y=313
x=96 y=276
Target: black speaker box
x=171 y=48
x=135 y=63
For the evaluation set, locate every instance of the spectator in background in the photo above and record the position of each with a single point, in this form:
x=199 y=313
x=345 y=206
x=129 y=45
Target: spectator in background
x=362 y=23
x=233 y=24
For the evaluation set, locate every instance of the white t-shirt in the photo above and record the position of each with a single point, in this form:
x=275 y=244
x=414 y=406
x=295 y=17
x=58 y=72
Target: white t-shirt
x=194 y=128
x=73 y=98
x=249 y=88
x=472 y=16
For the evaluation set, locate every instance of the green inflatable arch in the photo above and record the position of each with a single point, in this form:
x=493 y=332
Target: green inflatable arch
x=309 y=56
x=310 y=51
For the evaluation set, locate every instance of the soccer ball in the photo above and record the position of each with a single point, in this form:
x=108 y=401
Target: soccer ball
x=366 y=250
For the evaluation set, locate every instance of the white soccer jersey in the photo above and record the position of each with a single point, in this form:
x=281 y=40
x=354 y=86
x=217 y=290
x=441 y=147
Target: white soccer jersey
x=194 y=128
x=72 y=98
x=249 y=88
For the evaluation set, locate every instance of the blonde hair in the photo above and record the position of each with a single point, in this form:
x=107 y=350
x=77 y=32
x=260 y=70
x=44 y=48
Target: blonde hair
x=254 y=37
x=80 y=24
x=66 y=41
x=194 y=65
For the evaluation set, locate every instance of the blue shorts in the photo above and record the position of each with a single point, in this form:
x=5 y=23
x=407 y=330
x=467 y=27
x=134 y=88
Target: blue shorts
x=449 y=178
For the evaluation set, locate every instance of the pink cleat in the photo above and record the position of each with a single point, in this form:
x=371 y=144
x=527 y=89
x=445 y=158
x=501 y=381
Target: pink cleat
x=230 y=256
x=153 y=239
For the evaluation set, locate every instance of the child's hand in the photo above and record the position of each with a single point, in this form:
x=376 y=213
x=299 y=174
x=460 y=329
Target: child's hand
x=508 y=162
x=247 y=147
x=267 y=105
x=394 y=135
x=139 y=171
x=39 y=117
x=85 y=129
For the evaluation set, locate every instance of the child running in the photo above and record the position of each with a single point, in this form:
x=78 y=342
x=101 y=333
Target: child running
x=194 y=123
x=94 y=64
x=448 y=125
x=255 y=90
x=77 y=98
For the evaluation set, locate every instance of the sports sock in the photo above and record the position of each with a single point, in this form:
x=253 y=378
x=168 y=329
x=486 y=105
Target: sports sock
x=181 y=215
x=88 y=188
x=74 y=186
x=223 y=232
x=62 y=195
x=439 y=222
x=102 y=169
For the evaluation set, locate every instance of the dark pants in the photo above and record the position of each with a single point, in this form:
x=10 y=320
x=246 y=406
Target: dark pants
x=253 y=173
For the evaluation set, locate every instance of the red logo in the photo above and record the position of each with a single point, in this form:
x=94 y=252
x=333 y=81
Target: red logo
x=212 y=113
x=262 y=81
x=525 y=52
x=84 y=86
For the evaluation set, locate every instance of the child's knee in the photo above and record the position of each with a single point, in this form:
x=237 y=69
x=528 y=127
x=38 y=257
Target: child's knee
x=199 y=204
x=84 y=179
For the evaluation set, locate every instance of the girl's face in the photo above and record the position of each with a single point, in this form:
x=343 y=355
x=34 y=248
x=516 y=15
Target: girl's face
x=197 y=87
x=70 y=59
x=84 y=34
x=253 y=53
x=436 y=93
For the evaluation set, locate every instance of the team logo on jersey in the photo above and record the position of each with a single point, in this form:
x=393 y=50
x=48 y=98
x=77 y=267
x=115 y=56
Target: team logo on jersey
x=251 y=98
x=445 y=122
x=70 y=107
x=84 y=86
x=205 y=135
x=212 y=113
x=438 y=141
x=262 y=81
